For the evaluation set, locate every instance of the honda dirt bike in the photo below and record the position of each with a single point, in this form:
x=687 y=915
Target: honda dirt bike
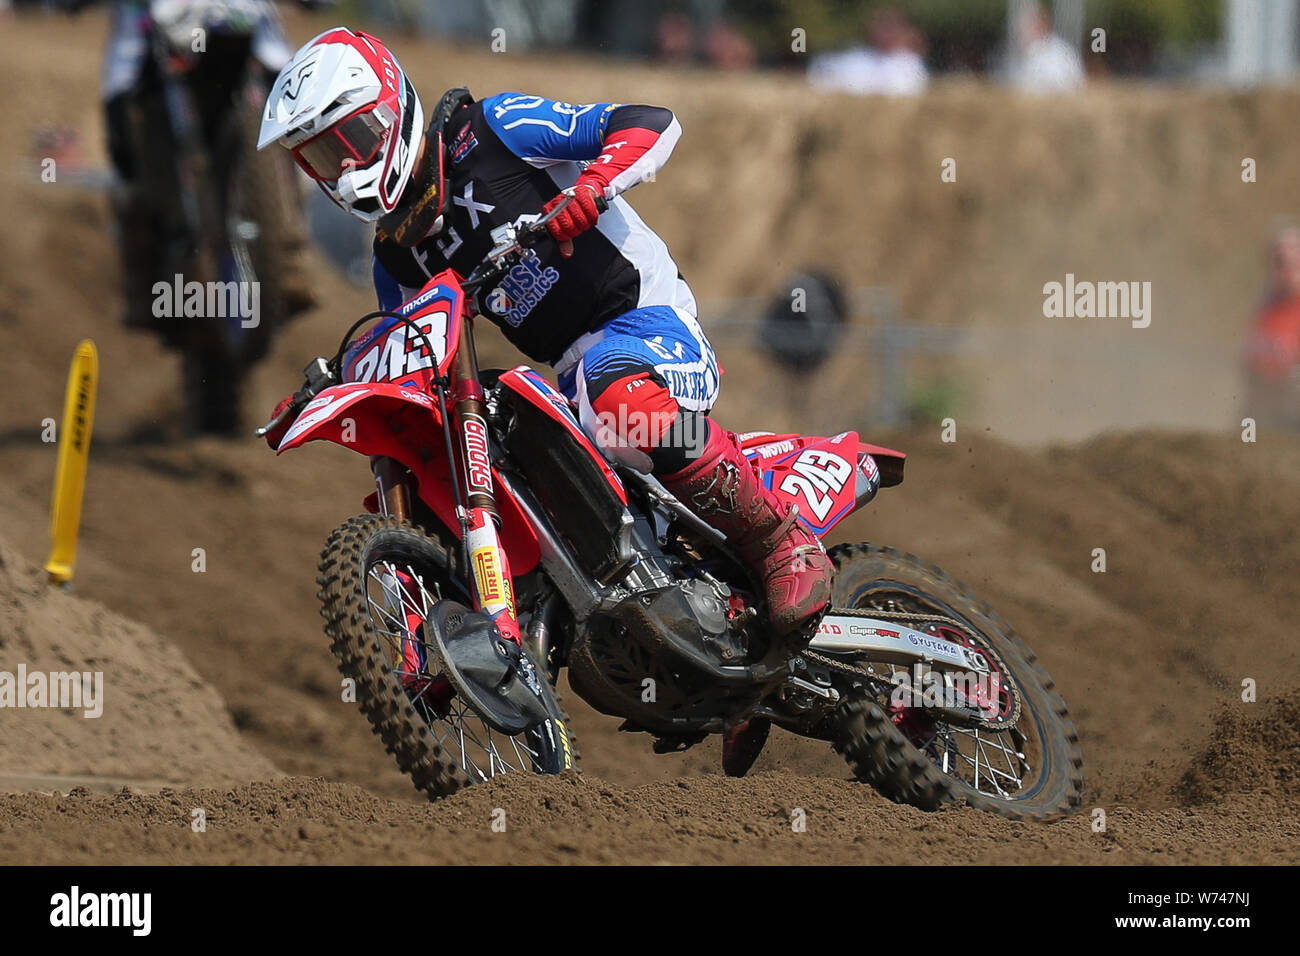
x=222 y=215
x=501 y=546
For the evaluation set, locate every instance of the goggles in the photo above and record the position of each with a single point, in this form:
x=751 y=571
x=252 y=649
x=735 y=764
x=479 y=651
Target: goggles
x=353 y=141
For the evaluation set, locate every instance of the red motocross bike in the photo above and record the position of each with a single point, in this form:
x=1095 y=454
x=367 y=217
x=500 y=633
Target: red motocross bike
x=501 y=546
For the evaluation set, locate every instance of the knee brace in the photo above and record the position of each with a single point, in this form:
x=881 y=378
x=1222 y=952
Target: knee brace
x=635 y=419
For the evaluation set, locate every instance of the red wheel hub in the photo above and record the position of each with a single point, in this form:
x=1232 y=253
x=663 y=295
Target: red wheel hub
x=990 y=695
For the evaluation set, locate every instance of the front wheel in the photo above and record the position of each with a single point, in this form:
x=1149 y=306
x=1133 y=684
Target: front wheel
x=380 y=580
x=213 y=385
x=1022 y=761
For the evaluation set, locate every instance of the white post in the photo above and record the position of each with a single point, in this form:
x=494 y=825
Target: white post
x=1259 y=41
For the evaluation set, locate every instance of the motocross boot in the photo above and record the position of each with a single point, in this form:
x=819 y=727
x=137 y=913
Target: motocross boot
x=723 y=488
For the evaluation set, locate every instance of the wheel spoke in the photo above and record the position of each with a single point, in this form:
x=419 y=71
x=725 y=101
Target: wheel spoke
x=402 y=595
x=986 y=760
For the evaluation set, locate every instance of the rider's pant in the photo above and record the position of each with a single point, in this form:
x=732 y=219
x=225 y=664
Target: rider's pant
x=644 y=384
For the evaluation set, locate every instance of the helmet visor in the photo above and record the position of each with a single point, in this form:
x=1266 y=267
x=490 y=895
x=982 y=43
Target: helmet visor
x=353 y=141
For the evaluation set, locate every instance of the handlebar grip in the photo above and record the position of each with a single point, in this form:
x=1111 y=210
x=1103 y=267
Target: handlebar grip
x=262 y=430
x=296 y=404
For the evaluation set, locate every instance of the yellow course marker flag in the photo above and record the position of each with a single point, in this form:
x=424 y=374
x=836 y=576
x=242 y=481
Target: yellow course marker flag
x=74 y=450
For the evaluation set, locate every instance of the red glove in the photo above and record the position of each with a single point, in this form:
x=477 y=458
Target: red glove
x=580 y=215
x=276 y=434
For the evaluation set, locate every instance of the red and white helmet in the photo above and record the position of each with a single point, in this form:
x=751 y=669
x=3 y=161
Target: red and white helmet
x=351 y=118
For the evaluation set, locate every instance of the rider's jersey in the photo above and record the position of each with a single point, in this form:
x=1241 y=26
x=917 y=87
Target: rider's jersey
x=507 y=156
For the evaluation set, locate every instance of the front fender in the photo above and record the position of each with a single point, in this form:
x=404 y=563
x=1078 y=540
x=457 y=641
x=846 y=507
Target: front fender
x=371 y=408
x=402 y=423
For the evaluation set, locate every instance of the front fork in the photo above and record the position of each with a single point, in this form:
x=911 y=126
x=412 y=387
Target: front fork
x=476 y=502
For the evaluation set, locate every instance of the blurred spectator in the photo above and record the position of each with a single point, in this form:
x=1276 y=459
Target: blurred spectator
x=891 y=64
x=675 y=39
x=726 y=48
x=1274 y=350
x=1273 y=345
x=60 y=143
x=723 y=47
x=520 y=24
x=1039 y=60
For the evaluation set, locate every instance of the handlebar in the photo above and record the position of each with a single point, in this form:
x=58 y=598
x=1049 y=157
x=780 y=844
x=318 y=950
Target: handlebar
x=510 y=240
x=570 y=195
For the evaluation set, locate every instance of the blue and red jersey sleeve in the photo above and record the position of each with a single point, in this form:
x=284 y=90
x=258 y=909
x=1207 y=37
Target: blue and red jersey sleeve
x=622 y=144
x=387 y=289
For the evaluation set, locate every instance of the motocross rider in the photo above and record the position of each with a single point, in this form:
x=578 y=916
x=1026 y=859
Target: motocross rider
x=129 y=73
x=605 y=305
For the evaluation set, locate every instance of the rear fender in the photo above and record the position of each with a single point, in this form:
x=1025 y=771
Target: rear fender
x=826 y=477
x=379 y=418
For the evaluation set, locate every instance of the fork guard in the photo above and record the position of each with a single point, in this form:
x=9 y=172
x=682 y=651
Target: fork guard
x=488 y=671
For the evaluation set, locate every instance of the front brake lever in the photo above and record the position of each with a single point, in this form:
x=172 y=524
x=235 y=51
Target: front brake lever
x=291 y=409
x=537 y=228
x=320 y=376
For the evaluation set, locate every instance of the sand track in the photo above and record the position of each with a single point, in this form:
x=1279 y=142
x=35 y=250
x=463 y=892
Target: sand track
x=225 y=681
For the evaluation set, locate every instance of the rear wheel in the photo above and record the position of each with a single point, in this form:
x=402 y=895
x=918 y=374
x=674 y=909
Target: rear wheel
x=1020 y=759
x=380 y=580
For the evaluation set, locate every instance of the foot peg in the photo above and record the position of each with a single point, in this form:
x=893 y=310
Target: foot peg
x=676 y=743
